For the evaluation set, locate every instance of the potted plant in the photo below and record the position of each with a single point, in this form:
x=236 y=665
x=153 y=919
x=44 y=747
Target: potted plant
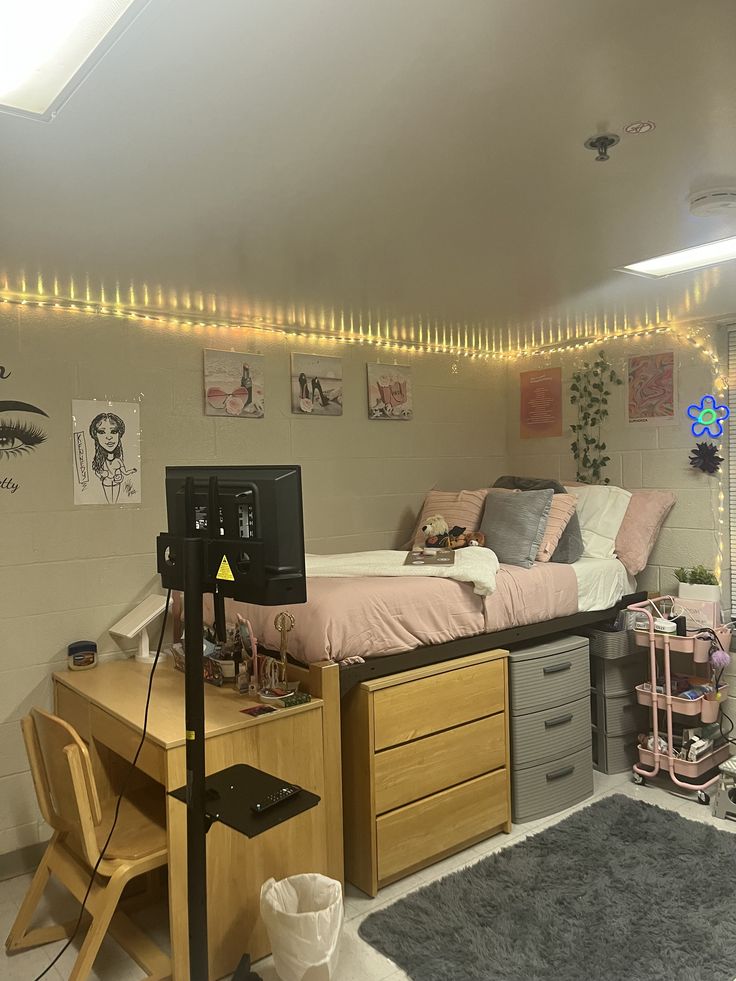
x=698 y=583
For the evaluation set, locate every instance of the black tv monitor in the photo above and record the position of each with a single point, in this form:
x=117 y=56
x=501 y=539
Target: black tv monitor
x=250 y=517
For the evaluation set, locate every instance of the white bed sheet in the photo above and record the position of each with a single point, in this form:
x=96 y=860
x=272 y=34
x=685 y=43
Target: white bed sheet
x=601 y=583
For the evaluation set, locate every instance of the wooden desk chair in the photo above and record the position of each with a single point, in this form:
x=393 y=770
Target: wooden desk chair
x=68 y=799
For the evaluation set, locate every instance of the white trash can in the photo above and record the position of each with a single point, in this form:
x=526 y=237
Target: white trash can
x=303 y=916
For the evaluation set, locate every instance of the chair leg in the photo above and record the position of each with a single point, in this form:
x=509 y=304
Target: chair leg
x=18 y=939
x=102 y=913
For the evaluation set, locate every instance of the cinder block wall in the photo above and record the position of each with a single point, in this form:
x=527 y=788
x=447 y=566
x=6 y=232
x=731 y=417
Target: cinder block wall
x=69 y=573
x=642 y=456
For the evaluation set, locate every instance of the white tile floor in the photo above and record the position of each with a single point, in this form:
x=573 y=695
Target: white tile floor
x=358 y=961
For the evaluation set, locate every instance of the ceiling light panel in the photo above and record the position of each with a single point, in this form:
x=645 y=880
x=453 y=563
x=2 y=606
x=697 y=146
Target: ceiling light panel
x=710 y=254
x=47 y=47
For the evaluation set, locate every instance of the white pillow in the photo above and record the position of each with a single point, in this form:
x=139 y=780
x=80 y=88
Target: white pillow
x=601 y=511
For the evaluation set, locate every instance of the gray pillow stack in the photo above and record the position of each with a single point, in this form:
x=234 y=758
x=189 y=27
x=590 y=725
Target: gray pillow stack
x=514 y=525
x=570 y=546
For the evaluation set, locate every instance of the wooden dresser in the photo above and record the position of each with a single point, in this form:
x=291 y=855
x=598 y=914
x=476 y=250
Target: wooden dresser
x=425 y=766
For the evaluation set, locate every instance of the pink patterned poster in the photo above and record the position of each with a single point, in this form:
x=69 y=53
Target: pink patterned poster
x=652 y=388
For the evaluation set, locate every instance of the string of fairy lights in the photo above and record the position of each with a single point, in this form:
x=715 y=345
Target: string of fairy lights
x=421 y=336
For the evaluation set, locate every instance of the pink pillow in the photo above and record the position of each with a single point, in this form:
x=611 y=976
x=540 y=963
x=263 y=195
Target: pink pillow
x=561 y=510
x=640 y=528
x=463 y=508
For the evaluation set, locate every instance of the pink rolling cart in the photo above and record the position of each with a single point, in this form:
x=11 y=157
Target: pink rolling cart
x=707 y=710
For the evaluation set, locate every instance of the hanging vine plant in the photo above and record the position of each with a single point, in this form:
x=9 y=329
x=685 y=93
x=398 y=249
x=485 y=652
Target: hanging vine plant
x=589 y=391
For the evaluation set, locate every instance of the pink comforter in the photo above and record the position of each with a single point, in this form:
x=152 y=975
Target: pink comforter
x=360 y=618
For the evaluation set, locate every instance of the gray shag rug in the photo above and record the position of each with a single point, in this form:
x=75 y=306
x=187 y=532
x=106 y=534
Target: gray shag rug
x=619 y=891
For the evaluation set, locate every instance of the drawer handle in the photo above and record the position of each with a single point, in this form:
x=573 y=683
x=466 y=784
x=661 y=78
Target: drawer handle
x=556 y=668
x=559 y=721
x=564 y=772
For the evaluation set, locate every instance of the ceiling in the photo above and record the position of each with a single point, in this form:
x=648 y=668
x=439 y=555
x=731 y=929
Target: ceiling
x=417 y=158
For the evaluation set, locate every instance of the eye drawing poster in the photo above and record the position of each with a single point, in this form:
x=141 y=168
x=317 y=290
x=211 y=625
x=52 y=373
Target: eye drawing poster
x=106 y=446
x=23 y=428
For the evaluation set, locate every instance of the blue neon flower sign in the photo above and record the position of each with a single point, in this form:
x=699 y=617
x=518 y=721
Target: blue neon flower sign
x=708 y=417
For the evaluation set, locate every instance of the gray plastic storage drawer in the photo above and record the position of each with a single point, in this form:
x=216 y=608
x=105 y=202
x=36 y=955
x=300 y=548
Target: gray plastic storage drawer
x=615 y=677
x=550 y=734
x=549 y=674
x=610 y=643
x=541 y=790
x=614 y=754
x=617 y=714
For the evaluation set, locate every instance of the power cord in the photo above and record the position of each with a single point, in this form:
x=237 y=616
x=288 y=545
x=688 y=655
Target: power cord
x=128 y=775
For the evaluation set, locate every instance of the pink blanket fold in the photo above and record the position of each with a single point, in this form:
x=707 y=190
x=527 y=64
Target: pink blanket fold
x=360 y=618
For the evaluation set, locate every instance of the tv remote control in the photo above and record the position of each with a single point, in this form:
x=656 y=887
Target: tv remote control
x=285 y=793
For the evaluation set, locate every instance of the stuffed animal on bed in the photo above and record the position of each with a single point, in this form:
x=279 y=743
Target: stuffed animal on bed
x=461 y=538
x=433 y=533
x=436 y=534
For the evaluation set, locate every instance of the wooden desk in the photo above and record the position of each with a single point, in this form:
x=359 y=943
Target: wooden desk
x=106 y=706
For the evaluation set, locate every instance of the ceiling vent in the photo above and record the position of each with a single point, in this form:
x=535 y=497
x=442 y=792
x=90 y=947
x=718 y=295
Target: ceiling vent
x=705 y=204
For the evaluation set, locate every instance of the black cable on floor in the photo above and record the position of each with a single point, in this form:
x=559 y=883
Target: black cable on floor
x=128 y=775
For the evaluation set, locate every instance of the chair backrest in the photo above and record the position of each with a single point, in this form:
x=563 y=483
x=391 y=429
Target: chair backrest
x=63 y=778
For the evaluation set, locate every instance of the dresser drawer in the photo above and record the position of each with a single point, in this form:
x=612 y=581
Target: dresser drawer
x=418 y=708
x=547 y=735
x=421 y=832
x=541 y=790
x=426 y=766
x=543 y=682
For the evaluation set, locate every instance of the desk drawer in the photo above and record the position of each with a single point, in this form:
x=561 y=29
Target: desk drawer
x=424 y=830
x=547 y=735
x=123 y=740
x=418 y=708
x=426 y=766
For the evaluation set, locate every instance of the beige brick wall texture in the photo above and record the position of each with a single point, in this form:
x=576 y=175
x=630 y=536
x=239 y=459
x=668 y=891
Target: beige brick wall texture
x=642 y=456
x=69 y=573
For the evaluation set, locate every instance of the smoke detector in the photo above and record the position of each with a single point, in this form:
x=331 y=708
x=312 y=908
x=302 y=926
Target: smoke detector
x=716 y=201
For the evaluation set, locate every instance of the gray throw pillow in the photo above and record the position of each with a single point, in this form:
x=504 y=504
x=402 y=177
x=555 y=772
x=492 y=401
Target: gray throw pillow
x=514 y=524
x=570 y=546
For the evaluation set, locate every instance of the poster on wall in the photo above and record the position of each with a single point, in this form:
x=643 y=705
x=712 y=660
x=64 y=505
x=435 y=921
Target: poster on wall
x=316 y=385
x=106 y=445
x=652 y=387
x=389 y=392
x=21 y=432
x=540 y=404
x=233 y=384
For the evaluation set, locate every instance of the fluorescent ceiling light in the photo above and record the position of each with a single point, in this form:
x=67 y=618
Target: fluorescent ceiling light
x=47 y=47
x=709 y=254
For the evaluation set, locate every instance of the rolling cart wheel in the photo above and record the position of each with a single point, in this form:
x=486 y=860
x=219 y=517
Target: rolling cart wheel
x=703 y=798
x=638 y=778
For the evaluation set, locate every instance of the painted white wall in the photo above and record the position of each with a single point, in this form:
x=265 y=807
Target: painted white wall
x=69 y=573
x=642 y=456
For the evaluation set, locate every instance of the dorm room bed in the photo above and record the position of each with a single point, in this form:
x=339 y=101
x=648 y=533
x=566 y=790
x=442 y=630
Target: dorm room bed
x=422 y=697
x=380 y=625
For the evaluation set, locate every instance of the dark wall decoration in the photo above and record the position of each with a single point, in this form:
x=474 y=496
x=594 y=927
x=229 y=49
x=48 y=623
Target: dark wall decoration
x=20 y=433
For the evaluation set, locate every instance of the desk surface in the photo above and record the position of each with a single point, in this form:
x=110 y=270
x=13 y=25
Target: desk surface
x=120 y=688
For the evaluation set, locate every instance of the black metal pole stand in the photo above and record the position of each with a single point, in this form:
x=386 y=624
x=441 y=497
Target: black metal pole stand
x=197 y=822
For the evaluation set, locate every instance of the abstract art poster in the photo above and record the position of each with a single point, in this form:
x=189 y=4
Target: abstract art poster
x=389 y=392
x=106 y=446
x=652 y=387
x=233 y=384
x=316 y=385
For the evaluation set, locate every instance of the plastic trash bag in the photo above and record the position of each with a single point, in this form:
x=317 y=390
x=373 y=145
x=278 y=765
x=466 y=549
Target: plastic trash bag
x=303 y=916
